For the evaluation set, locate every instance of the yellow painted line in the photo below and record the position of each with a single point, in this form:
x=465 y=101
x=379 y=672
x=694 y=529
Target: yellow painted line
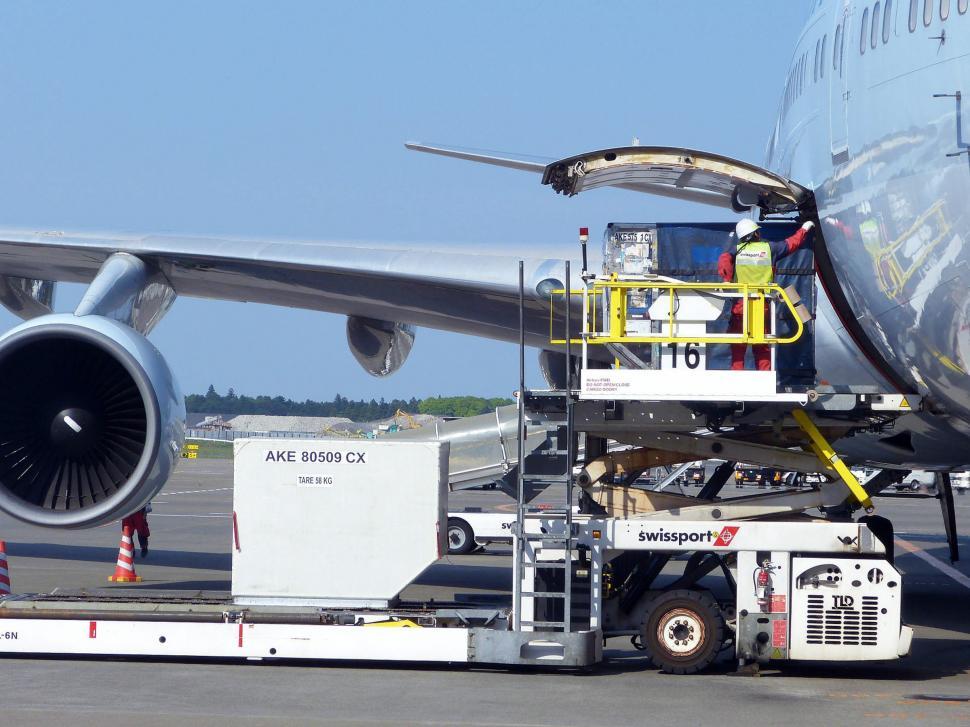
x=944 y=568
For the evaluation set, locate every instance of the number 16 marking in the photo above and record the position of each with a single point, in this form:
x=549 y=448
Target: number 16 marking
x=692 y=357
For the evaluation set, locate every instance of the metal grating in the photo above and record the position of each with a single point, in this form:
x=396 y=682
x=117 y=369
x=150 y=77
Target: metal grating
x=842 y=626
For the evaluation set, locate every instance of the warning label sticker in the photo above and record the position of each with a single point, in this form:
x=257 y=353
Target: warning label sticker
x=779 y=604
x=779 y=633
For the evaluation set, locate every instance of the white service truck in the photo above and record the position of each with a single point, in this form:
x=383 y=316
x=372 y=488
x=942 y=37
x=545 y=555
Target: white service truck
x=472 y=527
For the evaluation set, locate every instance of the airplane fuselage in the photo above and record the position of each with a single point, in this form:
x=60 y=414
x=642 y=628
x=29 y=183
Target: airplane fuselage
x=871 y=120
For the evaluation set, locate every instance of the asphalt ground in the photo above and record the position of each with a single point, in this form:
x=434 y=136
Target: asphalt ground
x=190 y=546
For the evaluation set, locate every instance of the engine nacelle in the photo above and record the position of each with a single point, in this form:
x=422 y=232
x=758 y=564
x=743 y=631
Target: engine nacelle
x=380 y=347
x=91 y=421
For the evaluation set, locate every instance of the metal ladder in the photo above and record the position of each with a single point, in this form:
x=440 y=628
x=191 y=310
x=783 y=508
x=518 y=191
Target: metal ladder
x=558 y=535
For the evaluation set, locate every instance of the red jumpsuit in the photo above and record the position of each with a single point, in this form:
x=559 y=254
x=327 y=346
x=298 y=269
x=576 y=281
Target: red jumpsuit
x=725 y=268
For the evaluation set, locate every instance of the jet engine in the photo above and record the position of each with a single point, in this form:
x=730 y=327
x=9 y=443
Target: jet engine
x=380 y=347
x=91 y=421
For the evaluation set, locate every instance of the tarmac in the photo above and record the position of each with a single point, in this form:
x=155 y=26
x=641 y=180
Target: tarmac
x=190 y=549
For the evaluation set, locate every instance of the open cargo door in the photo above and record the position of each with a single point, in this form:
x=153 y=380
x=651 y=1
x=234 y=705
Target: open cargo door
x=686 y=174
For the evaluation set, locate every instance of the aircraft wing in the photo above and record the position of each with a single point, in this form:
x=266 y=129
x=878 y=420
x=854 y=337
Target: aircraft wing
x=469 y=293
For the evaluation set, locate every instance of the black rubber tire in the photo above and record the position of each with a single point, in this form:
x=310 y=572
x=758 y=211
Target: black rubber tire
x=678 y=608
x=461 y=537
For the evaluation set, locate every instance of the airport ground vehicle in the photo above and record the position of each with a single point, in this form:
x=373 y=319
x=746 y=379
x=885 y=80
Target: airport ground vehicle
x=695 y=476
x=760 y=476
x=785 y=574
x=917 y=480
x=470 y=528
x=747 y=476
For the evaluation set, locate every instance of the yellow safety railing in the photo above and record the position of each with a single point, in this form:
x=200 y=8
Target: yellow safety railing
x=616 y=292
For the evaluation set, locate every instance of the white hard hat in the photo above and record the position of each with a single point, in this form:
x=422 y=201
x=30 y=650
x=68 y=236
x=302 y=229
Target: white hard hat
x=745 y=227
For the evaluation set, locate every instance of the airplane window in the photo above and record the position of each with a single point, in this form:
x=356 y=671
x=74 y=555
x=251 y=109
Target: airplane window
x=874 y=37
x=962 y=6
x=912 y=14
x=818 y=45
x=944 y=9
x=821 y=62
x=887 y=21
x=864 y=35
x=927 y=12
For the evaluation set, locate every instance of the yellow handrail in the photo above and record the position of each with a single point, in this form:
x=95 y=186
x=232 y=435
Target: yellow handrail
x=752 y=327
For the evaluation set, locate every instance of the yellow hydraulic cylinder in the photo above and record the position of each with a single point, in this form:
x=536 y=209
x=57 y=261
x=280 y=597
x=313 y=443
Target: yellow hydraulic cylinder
x=828 y=456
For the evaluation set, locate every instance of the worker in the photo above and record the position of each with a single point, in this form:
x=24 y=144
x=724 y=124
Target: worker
x=752 y=260
x=138 y=522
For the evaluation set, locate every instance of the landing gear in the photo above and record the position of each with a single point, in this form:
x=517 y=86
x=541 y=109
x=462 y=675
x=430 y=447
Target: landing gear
x=683 y=631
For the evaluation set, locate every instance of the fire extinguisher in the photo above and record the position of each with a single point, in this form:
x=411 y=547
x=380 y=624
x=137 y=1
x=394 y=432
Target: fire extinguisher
x=762 y=585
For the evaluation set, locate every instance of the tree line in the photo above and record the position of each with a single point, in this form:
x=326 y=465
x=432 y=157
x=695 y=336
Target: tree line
x=230 y=404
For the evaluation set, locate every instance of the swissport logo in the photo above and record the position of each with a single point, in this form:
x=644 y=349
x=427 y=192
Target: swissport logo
x=726 y=536
x=720 y=539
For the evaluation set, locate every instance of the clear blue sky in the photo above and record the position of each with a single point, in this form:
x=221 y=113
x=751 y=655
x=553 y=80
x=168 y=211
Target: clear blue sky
x=287 y=120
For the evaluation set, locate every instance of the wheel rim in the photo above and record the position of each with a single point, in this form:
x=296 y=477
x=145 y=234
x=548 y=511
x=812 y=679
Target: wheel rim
x=681 y=632
x=456 y=537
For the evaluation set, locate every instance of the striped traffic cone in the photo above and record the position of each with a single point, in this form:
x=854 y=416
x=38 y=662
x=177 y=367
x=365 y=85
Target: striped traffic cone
x=125 y=567
x=4 y=571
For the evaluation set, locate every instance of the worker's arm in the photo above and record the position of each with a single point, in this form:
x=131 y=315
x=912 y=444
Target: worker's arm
x=725 y=264
x=794 y=243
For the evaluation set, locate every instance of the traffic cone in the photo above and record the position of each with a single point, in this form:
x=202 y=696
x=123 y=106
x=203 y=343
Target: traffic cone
x=4 y=571
x=125 y=567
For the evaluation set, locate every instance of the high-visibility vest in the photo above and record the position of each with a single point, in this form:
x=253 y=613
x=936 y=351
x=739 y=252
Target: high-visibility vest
x=752 y=264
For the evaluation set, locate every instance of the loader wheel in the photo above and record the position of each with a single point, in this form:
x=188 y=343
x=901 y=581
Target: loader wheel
x=461 y=537
x=683 y=631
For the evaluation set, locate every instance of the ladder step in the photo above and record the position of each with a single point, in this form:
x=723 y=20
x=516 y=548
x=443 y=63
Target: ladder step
x=544 y=624
x=543 y=594
x=555 y=565
x=546 y=538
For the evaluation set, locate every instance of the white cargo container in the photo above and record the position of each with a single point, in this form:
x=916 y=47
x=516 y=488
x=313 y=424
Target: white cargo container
x=297 y=511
